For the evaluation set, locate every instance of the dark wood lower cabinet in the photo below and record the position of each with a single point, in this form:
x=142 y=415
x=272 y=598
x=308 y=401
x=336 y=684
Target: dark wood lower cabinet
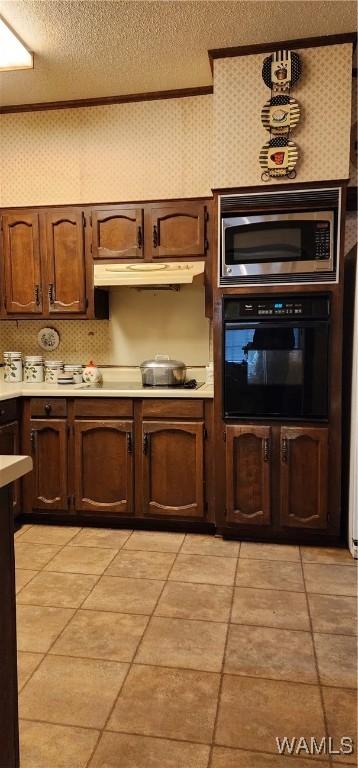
x=10 y=446
x=104 y=466
x=277 y=478
x=49 y=450
x=173 y=469
x=304 y=477
x=248 y=475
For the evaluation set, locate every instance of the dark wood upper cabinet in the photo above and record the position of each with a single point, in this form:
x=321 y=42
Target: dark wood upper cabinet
x=104 y=466
x=10 y=446
x=22 y=265
x=117 y=233
x=173 y=469
x=248 y=475
x=304 y=477
x=65 y=283
x=177 y=230
x=49 y=453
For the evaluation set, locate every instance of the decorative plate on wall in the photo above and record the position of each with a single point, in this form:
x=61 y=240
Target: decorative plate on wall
x=281 y=70
x=48 y=338
x=278 y=157
x=280 y=114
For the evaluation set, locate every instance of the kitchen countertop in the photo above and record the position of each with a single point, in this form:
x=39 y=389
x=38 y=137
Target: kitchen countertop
x=9 y=391
x=13 y=467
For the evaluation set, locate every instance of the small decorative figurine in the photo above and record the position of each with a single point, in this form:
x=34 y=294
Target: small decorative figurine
x=92 y=374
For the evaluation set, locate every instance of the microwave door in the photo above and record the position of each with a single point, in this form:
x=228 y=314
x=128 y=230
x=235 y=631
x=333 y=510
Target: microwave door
x=285 y=244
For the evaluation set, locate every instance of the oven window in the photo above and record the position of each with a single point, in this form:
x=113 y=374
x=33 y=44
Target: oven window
x=269 y=241
x=277 y=370
x=270 y=356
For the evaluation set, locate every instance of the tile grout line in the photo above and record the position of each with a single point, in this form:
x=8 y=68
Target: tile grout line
x=130 y=665
x=221 y=681
x=184 y=618
x=325 y=721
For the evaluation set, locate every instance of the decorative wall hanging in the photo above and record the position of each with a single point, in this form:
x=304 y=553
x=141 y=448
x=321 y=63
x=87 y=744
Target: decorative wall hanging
x=48 y=338
x=280 y=115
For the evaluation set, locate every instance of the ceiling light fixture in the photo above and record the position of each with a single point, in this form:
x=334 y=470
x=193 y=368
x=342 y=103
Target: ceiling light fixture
x=13 y=53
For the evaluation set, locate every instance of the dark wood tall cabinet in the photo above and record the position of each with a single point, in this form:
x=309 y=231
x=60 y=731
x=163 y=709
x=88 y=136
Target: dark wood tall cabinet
x=65 y=264
x=22 y=263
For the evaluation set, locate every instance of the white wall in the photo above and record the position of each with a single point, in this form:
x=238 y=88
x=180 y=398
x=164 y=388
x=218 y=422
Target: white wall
x=149 y=322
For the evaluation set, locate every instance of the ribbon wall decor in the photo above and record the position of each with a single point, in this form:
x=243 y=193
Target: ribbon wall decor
x=280 y=115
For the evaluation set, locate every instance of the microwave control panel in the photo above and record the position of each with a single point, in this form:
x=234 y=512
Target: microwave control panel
x=292 y=307
x=322 y=240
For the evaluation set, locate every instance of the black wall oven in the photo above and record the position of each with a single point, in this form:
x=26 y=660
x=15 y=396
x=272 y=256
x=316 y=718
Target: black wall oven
x=276 y=357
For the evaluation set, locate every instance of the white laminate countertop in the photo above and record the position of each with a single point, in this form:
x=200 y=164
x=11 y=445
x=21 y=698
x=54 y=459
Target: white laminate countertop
x=13 y=467
x=110 y=388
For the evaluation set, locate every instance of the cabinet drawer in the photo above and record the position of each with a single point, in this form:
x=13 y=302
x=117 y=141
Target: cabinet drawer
x=48 y=406
x=98 y=407
x=8 y=411
x=176 y=409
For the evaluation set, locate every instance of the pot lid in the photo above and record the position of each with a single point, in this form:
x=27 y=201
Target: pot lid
x=162 y=361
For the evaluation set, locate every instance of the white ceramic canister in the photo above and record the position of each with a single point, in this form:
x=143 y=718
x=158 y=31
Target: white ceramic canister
x=33 y=369
x=92 y=374
x=76 y=371
x=52 y=369
x=12 y=367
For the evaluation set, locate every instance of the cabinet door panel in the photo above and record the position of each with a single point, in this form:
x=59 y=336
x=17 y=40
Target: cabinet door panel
x=173 y=469
x=66 y=262
x=103 y=466
x=22 y=264
x=248 y=475
x=117 y=233
x=178 y=230
x=49 y=453
x=304 y=477
x=10 y=446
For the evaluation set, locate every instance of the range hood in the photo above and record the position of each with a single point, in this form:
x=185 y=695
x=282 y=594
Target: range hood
x=147 y=273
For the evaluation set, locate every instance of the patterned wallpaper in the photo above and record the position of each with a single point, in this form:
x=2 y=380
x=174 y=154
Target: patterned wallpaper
x=145 y=150
x=79 y=339
x=177 y=147
x=322 y=136
x=350 y=234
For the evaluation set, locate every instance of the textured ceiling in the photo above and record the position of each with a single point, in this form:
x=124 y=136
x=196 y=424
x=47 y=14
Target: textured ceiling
x=99 y=48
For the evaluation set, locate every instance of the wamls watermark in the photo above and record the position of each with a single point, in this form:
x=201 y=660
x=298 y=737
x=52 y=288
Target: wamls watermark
x=312 y=746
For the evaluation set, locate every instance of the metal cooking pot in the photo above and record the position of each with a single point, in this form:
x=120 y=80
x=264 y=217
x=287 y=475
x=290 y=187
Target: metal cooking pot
x=162 y=372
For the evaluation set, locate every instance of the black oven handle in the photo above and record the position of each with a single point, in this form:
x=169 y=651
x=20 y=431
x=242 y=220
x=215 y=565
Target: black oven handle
x=272 y=323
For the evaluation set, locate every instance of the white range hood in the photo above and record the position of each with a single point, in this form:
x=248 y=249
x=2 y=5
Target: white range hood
x=147 y=273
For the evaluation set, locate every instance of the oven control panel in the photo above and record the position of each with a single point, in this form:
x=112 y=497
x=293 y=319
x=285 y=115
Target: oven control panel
x=283 y=307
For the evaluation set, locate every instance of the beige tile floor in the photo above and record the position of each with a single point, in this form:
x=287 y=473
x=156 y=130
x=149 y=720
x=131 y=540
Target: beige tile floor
x=165 y=650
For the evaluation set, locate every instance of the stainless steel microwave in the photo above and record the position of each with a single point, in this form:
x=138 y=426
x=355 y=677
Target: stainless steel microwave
x=287 y=246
